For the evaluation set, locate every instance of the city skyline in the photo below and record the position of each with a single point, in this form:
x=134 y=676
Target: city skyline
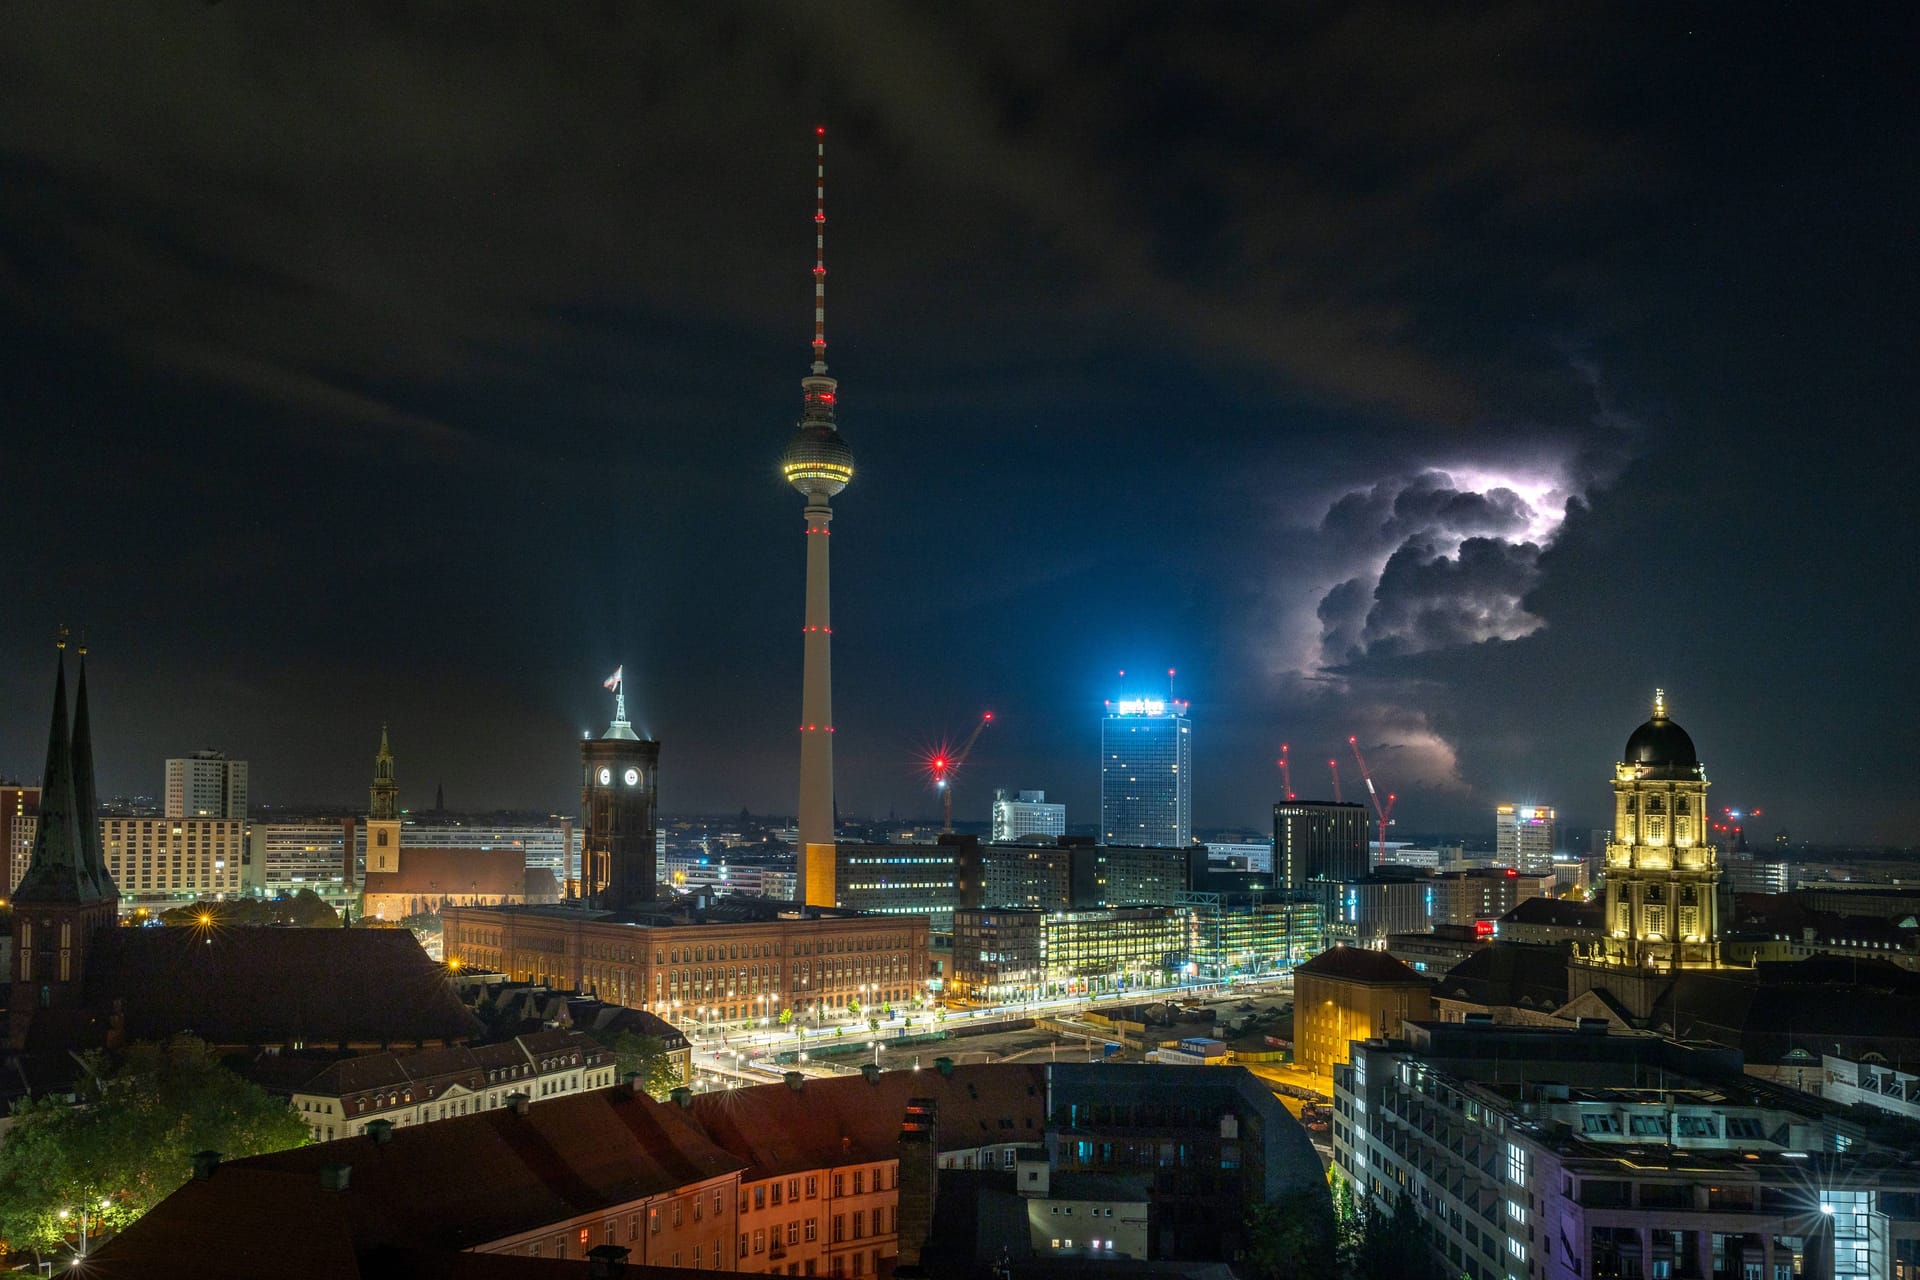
x=1375 y=405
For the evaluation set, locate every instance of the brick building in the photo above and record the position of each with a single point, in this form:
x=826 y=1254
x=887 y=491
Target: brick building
x=737 y=960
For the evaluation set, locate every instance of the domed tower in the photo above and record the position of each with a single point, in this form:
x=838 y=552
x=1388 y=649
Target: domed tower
x=1663 y=876
x=819 y=464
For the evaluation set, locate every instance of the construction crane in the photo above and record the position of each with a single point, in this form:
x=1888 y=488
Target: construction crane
x=1286 y=773
x=943 y=765
x=1383 y=812
x=1735 y=827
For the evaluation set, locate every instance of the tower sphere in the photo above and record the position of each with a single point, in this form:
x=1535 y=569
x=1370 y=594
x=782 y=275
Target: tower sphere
x=817 y=461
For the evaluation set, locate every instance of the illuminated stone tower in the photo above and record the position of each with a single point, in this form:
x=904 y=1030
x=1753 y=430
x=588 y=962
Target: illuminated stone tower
x=819 y=464
x=1663 y=877
x=383 y=813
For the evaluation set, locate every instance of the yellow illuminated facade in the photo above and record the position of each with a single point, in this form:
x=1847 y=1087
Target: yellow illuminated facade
x=1662 y=874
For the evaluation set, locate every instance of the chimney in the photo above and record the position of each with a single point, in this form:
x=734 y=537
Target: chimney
x=635 y=1084
x=607 y=1261
x=519 y=1102
x=919 y=1157
x=683 y=1097
x=333 y=1177
x=381 y=1131
x=795 y=1081
x=204 y=1163
x=871 y=1070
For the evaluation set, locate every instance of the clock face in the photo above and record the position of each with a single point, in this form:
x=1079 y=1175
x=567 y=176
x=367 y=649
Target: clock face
x=606 y=776
x=633 y=777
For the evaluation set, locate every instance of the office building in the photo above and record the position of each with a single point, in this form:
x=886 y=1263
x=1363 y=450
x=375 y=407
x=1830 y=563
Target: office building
x=1026 y=815
x=1236 y=933
x=1573 y=1153
x=1247 y=855
x=1146 y=773
x=286 y=857
x=908 y=879
x=1485 y=894
x=1008 y=956
x=1318 y=840
x=1750 y=873
x=1128 y=875
x=819 y=464
x=1361 y=913
x=206 y=785
x=160 y=862
x=1523 y=837
x=1038 y=879
x=17 y=803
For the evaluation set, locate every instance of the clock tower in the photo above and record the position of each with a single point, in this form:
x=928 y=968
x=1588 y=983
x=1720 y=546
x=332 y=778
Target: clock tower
x=619 y=862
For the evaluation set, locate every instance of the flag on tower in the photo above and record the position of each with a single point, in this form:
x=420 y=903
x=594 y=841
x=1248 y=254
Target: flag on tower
x=613 y=681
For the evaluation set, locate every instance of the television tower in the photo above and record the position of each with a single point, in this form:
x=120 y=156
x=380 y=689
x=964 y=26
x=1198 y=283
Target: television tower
x=819 y=464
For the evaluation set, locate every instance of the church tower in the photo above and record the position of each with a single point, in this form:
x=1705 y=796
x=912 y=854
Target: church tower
x=66 y=897
x=619 y=792
x=1663 y=875
x=383 y=816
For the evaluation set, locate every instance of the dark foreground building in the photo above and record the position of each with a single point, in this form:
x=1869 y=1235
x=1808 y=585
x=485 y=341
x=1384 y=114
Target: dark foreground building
x=834 y=1177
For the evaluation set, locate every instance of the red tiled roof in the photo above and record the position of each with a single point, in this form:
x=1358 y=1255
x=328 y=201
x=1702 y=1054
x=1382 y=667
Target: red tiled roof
x=452 y=1184
x=843 y=1120
x=237 y=985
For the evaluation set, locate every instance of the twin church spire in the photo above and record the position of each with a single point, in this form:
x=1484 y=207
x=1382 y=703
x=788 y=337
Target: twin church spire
x=68 y=865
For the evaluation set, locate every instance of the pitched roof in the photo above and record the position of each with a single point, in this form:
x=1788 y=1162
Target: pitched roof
x=452 y=1184
x=1558 y=912
x=239 y=985
x=1362 y=965
x=1510 y=975
x=775 y=1129
x=431 y=872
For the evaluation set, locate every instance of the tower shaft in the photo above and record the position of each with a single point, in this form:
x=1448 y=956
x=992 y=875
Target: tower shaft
x=816 y=859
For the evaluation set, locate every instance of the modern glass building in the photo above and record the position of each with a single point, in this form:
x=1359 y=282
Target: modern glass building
x=1010 y=956
x=1146 y=773
x=1316 y=840
x=1249 y=934
x=1026 y=815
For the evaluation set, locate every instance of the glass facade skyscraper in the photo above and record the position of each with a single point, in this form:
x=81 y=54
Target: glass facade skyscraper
x=1146 y=773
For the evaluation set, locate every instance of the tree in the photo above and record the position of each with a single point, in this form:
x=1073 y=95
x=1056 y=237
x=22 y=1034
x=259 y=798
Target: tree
x=853 y=1005
x=1393 y=1242
x=647 y=1056
x=1292 y=1237
x=127 y=1142
x=786 y=1017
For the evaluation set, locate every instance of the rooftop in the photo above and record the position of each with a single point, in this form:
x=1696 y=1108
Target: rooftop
x=1361 y=965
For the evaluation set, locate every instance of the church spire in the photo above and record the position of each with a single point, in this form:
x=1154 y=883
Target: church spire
x=58 y=869
x=86 y=796
x=385 y=791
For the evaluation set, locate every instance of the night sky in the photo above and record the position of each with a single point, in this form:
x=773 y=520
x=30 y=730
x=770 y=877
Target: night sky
x=1447 y=380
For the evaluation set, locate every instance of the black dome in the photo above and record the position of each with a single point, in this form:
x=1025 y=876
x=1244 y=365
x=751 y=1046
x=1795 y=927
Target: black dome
x=1661 y=749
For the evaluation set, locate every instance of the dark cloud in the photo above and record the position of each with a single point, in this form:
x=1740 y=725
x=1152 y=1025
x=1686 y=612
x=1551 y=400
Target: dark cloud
x=437 y=353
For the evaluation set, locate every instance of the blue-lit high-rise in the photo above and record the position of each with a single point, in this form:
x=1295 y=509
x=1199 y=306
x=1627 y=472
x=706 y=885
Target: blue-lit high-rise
x=1146 y=773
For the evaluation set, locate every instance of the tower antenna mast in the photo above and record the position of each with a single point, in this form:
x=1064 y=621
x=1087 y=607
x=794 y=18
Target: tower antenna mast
x=1334 y=765
x=1286 y=773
